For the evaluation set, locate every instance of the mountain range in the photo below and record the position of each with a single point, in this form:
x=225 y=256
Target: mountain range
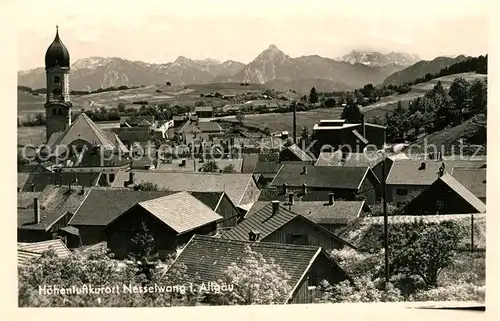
x=272 y=68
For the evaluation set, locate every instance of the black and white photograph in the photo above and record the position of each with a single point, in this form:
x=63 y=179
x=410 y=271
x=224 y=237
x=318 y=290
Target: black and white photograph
x=218 y=153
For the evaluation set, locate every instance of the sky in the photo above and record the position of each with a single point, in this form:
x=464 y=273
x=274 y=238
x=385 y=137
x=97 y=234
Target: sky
x=160 y=31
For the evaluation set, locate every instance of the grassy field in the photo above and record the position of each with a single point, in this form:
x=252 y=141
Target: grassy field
x=389 y=103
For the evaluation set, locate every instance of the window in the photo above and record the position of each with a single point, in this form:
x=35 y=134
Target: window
x=54 y=112
x=298 y=239
x=111 y=178
x=57 y=79
x=440 y=205
x=59 y=111
x=56 y=91
x=401 y=191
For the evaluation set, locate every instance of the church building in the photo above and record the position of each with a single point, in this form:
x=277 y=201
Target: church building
x=63 y=135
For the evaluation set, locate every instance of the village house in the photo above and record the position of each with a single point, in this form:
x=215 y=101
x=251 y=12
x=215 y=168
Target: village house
x=445 y=196
x=408 y=178
x=38 y=181
x=307 y=266
x=204 y=111
x=240 y=188
x=138 y=121
x=331 y=214
x=353 y=137
x=474 y=179
x=171 y=219
x=275 y=223
x=294 y=153
x=347 y=183
x=28 y=251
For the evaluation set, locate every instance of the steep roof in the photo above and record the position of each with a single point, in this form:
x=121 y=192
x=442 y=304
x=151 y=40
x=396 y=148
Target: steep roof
x=103 y=205
x=25 y=199
x=267 y=167
x=26 y=219
x=180 y=211
x=235 y=185
x=473 y=179
x=209 y=257
x=266 y=223
x=321 y=176
x=302 y=155
x=83 y=128
x=461 y=190
x=409 y=172
x=211 y=199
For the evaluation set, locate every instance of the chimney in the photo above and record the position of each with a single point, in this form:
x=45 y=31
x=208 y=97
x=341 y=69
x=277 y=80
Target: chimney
x=422 y=166
x=131 y=177
x=36 y=207
x=82 y=191
x=304 y=188
x=285 y=188
x=32 y=187
x=290 y=198
x=304 y=169
x=331 y=198
x=363 y=127
x=276 y=207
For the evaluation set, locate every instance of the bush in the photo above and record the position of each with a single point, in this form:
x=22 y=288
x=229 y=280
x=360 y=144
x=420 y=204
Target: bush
x=456 y=292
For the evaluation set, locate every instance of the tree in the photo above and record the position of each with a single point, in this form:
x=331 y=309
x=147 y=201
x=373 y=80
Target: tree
x=423 y=249
x=478 y=93
x=121 y=107
x=240 y=117
x=148 y=186
x=304 y=135
x=351 y=113
x=459 y=94
x=267 y=131
x=229 y=169
x=313 y=96
x=330 y=102
x=168 y=83
x=210 y=166
x=256 y=281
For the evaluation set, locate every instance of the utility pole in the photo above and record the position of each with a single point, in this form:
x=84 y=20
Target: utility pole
x=294 y=123
x=386 y=227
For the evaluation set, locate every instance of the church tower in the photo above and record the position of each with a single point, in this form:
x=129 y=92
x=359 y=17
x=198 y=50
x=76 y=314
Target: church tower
x=57 y=105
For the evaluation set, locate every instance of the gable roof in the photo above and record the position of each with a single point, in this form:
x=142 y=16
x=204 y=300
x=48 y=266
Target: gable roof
x=249 y=163
x=83 y=128
x=321 y=176
x=266 y=223
x=302 y=155
x=463 y=192
x=23 y=256
x=473 y=179
x=181 y=211
x=407 y=172
x=209 y=257
x=26 y=219
x=103 y=205
x=133 y=134
x=209 y=126
x=203 y=108
x=235 y=184
x=267 y=167
x=43 y=179
x=211 y=199
x=320 y=212
x=39 y=247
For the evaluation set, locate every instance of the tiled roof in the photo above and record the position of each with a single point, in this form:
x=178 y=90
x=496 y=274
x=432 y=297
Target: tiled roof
x=407 y=172
x=464 y=192
x=103 y=205
x=40 y=247
x=342 y=212
x=211 y=199
x=235 y=185
x=174 y=166
x=203 y=108
x=320 y=176
x=267 y=167
x=180 y=211
x=473 y=179
x=83 y=128
x=209 y=257
x=189 y=127
x=62 y=198
x=25 y=199
x=24 y=256
x=116 y=141
x=351 y=159
x=133 y=135
x=302 y=155
x=43 y=179
x=26 y=219
x=249 y=163
x=266 y=223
